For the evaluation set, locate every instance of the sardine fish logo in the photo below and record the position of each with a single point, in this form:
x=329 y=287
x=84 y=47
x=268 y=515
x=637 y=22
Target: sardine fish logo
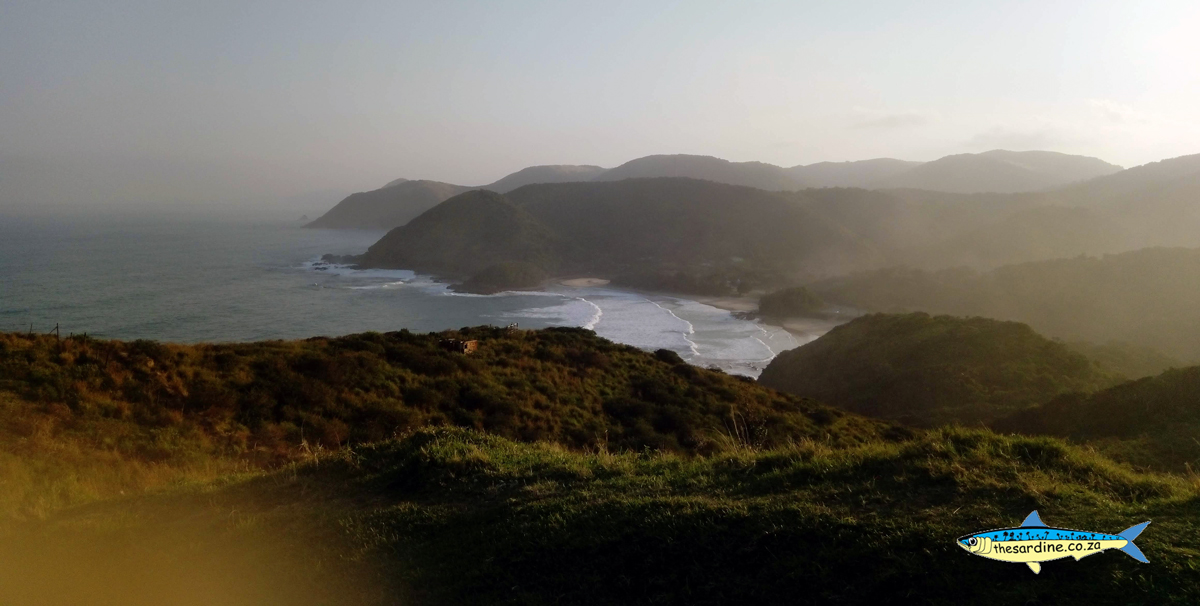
x=1033 y=543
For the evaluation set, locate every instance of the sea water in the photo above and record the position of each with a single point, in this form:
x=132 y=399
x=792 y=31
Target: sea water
x=194 y=278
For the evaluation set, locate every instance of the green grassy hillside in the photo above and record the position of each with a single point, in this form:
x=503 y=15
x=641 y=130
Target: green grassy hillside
x=932 y=370
x=329 y=471
x=176 y=410
x=455 y=516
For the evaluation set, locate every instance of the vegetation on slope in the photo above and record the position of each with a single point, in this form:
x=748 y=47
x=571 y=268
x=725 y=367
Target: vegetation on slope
x=466 y=234
x=714 y=281
x=644 y=232
x=663 y=230
x=859 y=173
x=640 y=225
x=1152 y=422
x=1145 y=298
x=175 y=408
x=390 y=206
x=758 y=175
x=452 y=516
x=789 y=303
x=1000 y=171
x=1129 y=361
x=1032 y=234
x=776 y=497
x=933 y=370
x=555 y=173
x=506 y=275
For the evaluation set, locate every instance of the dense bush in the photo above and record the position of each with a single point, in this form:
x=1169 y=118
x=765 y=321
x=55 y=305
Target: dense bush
x=1151 y=422
x=268 y=399
x=931 y=370
x=790 y=302
x=506 y=275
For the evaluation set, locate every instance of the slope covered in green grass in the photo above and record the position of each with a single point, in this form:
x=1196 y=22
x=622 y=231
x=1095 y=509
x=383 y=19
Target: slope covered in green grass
x=197 y=411
x=446 y=516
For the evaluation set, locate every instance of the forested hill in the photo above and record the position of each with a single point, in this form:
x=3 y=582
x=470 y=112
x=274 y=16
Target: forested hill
x=1152 y=422
x=706 y=237
x=558 y=173
x=933 y=370
x=1146 y=297
x=758 y=175
x=999 y=171
x=466 y=234
x=689 y=221
x=701 y=231
x=994 y=171
x=390 y=206
x=636 y=225
x=859 y=173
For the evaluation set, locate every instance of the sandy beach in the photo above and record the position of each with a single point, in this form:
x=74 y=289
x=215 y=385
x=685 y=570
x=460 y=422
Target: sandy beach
x=584 y=282
x=804 y=329
x=744 y=304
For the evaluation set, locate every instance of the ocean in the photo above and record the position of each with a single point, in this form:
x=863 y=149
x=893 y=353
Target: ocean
x=219 y=279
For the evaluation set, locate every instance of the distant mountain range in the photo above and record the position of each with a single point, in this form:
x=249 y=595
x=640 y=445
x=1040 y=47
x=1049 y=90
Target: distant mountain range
x=995 y=171
x=689 y=235
x=750 y=174
x=998 y=171
x=560 y=173
x=615 y=228
x=863 y=173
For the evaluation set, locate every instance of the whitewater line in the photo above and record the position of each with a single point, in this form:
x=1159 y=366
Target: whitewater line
x=791 y=337
x=691 y=330
x=769 y=350
x=591 y=324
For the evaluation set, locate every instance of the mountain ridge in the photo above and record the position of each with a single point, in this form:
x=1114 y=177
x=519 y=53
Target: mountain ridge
x=996 y=171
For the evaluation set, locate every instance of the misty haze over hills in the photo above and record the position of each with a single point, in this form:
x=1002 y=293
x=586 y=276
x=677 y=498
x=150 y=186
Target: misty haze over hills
x=1144 y=206
x=996 y=171
x=403 y=302
x=394 y=204
x=683 y=234
x=861 y=173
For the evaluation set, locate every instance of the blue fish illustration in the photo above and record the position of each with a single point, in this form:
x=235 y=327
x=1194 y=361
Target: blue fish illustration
x=1033 y=542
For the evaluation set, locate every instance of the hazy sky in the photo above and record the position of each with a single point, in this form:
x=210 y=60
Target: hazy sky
x=245 y=99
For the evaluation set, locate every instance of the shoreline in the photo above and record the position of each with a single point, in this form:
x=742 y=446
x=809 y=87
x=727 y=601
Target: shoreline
x=582 y=282
x=803 y=329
